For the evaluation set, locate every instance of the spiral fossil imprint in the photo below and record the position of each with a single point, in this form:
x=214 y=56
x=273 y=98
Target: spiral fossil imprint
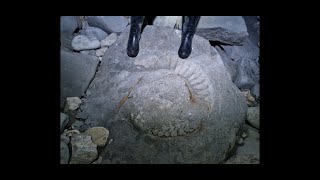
x=195 y=82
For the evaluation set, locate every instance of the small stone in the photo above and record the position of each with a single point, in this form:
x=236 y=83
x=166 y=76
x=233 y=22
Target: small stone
x=82 y=42
x=99 y=135
x=72 y=103
x=110 y=141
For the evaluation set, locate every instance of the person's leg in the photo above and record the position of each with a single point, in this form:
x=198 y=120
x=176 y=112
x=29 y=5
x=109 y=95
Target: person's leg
x=188 y=29
x=134 y=36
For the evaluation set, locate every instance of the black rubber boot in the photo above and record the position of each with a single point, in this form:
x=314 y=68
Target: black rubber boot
x=188 y=29
x=134 y=36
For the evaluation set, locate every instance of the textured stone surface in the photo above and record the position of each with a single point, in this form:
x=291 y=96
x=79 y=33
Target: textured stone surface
x=72 y=103
x=99 y=135
x=84 y=151
x=109 y=24
x=82 y=42
x=163 y=109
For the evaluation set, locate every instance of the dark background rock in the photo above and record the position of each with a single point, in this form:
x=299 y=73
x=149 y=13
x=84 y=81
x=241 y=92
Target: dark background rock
x=76 y=72
x=204 y=125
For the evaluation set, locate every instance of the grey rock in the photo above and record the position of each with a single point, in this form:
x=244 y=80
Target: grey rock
x=108 y=24
x=76 y=72
x=251 y=147
x=253 y=116
x=230 y=65
x=64 y=120
x=247 y=50
x=253 y=132
x=99 y=135
x=64 y=153
x=161 y=108
x=226 y=29
x=255 y=91
x=84 y=151
x=166 y=21
x=100 y=52
x=72 y=103
x=108 y=41
x=248 y=74
x=77 y=124
x=68 y=25
x=253 y=27
x=243 y=159
x=92 y=53
x=251 y=101
x=96 y=32
x=82 y=42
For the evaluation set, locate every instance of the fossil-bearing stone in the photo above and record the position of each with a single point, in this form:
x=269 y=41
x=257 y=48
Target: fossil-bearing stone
x=160 y=108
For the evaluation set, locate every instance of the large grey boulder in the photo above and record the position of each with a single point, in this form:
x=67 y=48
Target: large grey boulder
x=160 y=108
x=109 y=24
x=226 y=29
x=76 y=72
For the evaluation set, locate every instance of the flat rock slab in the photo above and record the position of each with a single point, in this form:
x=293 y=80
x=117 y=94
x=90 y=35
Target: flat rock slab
x=108 y=24
x=160 y=108
x=76 y=72
x=226 y=29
